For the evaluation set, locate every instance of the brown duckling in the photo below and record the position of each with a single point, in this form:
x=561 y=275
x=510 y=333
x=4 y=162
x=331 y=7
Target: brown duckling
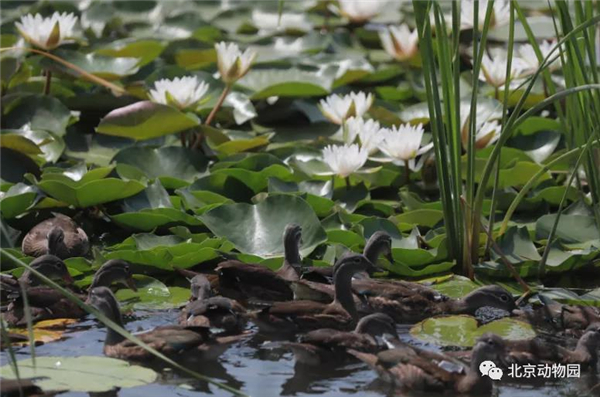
x=240 y=280
x=329 y=345
x=412 y=369
x=556 y=317
x=302 y=315
x=380 y=243
x=417 y=307
x=174 y=341
x=537 y=350
x=49 y=265
x=47 y=303
x=209 y=311
x=58 y=236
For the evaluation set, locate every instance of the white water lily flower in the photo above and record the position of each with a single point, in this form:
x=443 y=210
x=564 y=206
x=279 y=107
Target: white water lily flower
x=183 y=93
x=232 y=63
x=339 y=108
x=487 y=134
x=530 y=60
x=270 y=22
x=500 y=14
x=360 y=11
x=290 y=47
x=367 y=131
x=400 y=42
x=402 y=143
x=47 y=33
x=493 y=69
x=344 y=160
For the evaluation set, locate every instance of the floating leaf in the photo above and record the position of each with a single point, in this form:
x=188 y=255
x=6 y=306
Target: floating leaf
x=285 y=83
x=17 y=200
x=146 y=120
x=153 y=295
x=37 y=112
x=464 y=331
x=258 y=229
x=106 y=67
x=81 y=374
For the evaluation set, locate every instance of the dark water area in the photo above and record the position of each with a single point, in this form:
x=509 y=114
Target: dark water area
x=259 y=367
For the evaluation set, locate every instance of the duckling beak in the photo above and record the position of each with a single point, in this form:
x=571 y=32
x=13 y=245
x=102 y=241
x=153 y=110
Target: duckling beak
x=131 y=284
x=389 y=257
x=68 y=279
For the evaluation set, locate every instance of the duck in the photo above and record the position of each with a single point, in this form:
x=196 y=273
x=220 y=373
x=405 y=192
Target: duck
x=538 y=350
x=47 y=303
x=172 y=340
x=49 y=265
x=327 y=345
x=59 y=236
x=415 y=306
x=304 y=315
x=379 y=244
x=555 y=317
x=239 y=280
x=409 y=368
x=205 y=310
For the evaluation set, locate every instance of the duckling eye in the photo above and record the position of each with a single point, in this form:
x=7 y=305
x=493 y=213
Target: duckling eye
x=504 y=298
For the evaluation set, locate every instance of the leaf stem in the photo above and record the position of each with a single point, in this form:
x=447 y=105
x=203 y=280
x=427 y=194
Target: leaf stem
x=407 y=173
x=95 y=79
x=212 y=114
x=48 y=82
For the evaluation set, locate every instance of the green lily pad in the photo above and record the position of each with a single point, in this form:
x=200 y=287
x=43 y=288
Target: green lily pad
x=174 y=166
x=146 y=120
x=422 y=217
x=165 y=252
x=258 y=229
x=81 y=374
x=106 y=67
x=463 y=330
x=153 y=295
x=454 y=286
x=571 y=228
x=286 y=83
x=82 y=188
x=37 y=112
x=16 y=200
x=144 y=50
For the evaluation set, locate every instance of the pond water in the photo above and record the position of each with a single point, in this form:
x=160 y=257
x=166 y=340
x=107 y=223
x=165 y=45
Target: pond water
x=259 y=368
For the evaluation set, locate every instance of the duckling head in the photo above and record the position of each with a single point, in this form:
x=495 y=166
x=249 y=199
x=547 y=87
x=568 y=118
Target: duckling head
x=490 y=295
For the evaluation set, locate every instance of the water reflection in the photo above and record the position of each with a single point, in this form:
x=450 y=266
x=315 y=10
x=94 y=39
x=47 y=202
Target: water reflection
x=259 y=367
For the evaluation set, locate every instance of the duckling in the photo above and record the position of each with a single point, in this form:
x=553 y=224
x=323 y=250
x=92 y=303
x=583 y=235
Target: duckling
x=537 y=350
x=47 y=303
x=556 y=317
x=417 y=307
x=412 y=369
x=329 y=345
x=240 y=280
x=58 y=236
x=49 y=265
x=297 y=316
x=174 y=341
x=380 y=243
x=212 y=311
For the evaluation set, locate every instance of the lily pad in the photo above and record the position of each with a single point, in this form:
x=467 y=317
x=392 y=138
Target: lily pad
x=37 y=112
x=106 y=67
x=146 y=120
x=81 y=374
x=153 y=295
x=175 y=166
x=571 y=228
x=258 y=229
x=286 y=83
x=17 y=200
x=463 y=330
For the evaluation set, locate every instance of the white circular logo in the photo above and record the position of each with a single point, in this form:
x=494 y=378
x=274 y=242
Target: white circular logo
x=485 y=367
x=495 y=373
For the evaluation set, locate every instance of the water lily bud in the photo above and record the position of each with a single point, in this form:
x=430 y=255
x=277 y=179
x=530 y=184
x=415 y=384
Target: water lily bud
x=47 y=33
x=232 y=63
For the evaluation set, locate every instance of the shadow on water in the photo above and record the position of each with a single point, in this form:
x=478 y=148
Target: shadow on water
x=260 y=367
